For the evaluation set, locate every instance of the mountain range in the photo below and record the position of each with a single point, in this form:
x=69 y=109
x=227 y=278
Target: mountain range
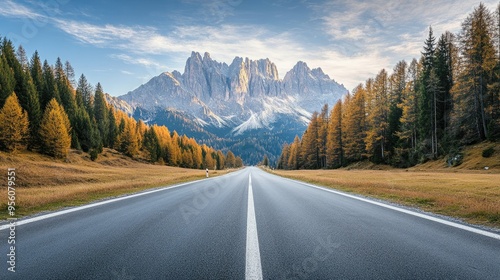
x=244 y=107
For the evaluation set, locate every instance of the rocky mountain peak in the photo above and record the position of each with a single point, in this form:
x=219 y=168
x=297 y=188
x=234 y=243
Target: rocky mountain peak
x=227 y=101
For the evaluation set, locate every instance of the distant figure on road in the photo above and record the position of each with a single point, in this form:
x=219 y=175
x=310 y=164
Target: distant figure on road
x=207 y=172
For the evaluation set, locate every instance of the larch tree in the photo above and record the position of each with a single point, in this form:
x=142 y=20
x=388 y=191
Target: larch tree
x=14 y=125
x=310 y=150
x=230 y=160
x=55 y=130
x=334 y=146
x=378 y=119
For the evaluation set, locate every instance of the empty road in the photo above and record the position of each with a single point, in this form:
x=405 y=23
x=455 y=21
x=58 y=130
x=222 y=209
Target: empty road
x=246 y=225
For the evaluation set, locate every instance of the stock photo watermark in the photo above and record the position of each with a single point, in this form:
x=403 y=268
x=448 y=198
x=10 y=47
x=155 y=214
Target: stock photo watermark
x=201 y=199
x=36 y=20
x=324 y=248
x=11 y=208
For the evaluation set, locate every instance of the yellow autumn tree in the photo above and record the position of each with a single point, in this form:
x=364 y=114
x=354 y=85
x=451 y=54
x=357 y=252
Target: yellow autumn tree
x=128 y=140
x=14 y=125
x=55 y=130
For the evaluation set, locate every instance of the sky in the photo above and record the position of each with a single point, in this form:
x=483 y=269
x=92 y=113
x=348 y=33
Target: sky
x=123 y=44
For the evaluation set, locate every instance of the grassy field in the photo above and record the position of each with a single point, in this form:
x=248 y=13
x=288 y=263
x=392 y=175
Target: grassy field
x=43 y=183
x=473 y=196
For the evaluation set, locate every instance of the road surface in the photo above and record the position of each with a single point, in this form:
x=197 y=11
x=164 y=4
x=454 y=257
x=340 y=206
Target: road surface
x=246 y=225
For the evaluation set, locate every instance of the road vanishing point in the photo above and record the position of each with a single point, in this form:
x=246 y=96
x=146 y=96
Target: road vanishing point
x=248 y=224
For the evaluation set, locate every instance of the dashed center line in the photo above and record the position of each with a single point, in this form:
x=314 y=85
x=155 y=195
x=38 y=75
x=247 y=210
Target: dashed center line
x=253 y=267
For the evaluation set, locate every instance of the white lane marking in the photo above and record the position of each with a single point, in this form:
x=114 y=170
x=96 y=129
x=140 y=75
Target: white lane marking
x=420 y=215
x=43 y=217
x=253 y=268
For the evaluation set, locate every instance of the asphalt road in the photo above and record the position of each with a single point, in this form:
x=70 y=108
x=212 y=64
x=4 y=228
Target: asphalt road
x=213 y=229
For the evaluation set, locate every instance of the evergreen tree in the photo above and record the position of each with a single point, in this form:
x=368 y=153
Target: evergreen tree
x=101 y=116
x=84 y=94
x=152 y=145
x=265 y=161
x=65 y=89
x=397 y=85
x=35 y=68
x=55 y=130
x=427 y=98
x=32 y=107
x=14 y=125
x=49 y=90
x=407 y=150
x=471 y=93
x=7 y=80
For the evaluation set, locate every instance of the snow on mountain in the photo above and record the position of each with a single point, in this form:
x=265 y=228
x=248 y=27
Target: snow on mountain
x=236 y=99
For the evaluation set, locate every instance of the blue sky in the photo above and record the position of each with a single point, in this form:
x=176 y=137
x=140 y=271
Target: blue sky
x=123 y=44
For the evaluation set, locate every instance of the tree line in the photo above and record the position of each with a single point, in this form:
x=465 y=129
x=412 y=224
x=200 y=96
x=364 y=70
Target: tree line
x=44 y=109
x=429 y=108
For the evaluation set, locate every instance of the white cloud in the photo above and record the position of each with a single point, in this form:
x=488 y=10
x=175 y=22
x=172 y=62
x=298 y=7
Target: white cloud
x=11 y=9
x=361 y=37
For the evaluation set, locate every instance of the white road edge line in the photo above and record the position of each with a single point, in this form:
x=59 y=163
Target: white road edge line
x=409 y=212
x=253 y=267
x=55 y=214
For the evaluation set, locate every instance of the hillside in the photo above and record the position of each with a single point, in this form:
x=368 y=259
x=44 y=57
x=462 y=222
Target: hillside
x=472 y=160
x=43 y=183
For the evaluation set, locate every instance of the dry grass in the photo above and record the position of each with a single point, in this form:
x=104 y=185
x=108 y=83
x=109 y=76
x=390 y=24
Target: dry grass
x=43 y=183
x=473 y=196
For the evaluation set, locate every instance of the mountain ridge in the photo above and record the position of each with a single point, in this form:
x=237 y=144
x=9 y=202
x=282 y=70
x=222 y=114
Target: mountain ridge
x=244 y=98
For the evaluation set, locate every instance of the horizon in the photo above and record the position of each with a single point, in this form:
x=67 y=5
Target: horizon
x=123 y=45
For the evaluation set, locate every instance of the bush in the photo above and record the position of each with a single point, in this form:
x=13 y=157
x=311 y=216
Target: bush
x=488 y=152
x=94 y=153
x=455 y=159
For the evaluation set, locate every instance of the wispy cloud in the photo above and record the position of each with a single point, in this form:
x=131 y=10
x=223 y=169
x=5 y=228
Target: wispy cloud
x=359 y=38
x=10 y=8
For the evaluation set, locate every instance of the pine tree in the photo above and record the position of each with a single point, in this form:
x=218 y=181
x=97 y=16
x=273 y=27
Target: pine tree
x=101 y=115
x=7 y=80
x=55 y=130
x=65 y=89
x=407 y=150
x=49 y=90
x=471 y=93
x=32 y=107
x=335 y=149
x=397 y=85
x=152 y=145
x=14 y=125
x=427 y=98
x=35 y=68
x=84 y=94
